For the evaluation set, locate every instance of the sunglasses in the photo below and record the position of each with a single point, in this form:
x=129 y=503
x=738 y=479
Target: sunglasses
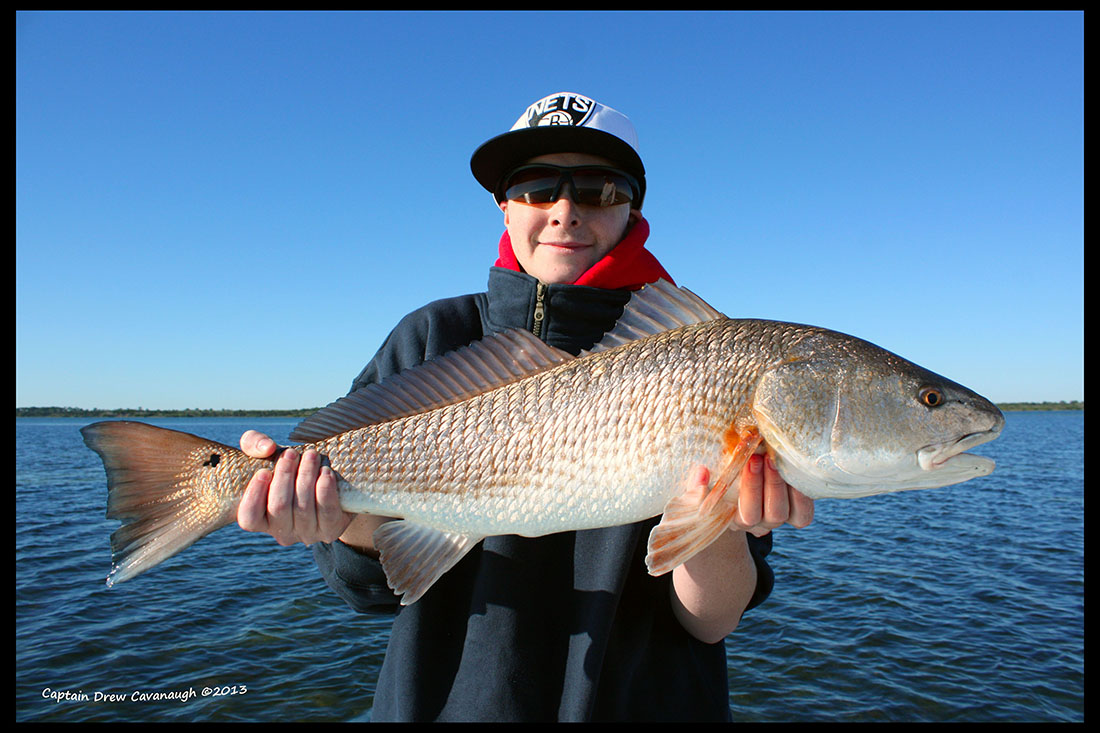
x=593 y=185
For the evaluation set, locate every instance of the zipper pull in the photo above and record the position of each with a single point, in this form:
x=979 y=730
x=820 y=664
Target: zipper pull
x=540 y=309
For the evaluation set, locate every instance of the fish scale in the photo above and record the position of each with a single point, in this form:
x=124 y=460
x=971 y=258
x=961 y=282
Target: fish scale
x=588 y=442
x=511 y=436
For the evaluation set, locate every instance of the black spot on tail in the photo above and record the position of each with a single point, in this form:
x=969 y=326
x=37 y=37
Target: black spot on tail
x=212 y=460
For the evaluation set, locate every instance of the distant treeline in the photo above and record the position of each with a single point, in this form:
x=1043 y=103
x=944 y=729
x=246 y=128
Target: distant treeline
x=141 y=412
x=1020 y=406
x=303 y=412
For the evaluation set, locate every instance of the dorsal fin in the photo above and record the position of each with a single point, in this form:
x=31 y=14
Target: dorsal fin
x=658 y=307
x=496 y=360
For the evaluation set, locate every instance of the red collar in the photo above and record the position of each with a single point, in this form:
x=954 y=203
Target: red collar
x=628 y=266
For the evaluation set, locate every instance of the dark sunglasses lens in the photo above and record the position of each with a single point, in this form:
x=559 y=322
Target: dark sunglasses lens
x=533 y=186
x=591 y=187
x=602 y=188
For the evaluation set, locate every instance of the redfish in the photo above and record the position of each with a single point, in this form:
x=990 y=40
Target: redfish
x=512 y=436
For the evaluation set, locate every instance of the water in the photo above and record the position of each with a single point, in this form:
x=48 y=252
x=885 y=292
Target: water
x=960 y=604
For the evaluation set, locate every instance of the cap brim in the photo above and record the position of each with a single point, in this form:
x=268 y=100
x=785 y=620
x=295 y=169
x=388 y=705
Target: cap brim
x=503 y=153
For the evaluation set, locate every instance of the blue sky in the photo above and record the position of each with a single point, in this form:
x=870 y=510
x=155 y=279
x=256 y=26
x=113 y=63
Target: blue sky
x=232 y=210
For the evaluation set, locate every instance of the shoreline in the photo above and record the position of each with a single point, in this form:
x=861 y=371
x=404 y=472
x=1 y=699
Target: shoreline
x=306 y=411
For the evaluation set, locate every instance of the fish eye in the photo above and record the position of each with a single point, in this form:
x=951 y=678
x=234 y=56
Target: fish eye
x=930 y=396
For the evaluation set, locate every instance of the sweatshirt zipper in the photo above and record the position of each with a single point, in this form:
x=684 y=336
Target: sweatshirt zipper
x=540 y=309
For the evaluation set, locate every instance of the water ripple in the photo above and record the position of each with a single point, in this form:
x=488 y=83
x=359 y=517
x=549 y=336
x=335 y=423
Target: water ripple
x=959 y=604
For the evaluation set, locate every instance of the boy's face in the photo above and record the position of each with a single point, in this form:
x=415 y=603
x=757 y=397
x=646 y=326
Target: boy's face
x=558 y=241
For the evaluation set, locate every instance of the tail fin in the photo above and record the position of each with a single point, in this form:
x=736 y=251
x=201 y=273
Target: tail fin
x=168 y=488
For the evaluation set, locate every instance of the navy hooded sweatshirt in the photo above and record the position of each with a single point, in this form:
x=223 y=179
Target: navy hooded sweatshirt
x=565 y=627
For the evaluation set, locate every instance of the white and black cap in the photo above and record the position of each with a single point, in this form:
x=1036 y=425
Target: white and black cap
x=564 y=122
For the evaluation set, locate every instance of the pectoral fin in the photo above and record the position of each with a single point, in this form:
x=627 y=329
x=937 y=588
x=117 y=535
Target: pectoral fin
x=414 y=556
x=694 y=519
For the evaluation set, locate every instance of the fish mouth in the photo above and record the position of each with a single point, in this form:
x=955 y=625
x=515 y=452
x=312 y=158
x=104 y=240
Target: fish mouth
x=952 y=454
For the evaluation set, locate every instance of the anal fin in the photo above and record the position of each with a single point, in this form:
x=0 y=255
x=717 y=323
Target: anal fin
x=414 y=556
x=694 y=519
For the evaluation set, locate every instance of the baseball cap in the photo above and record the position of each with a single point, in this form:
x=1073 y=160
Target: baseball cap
x=563 y=122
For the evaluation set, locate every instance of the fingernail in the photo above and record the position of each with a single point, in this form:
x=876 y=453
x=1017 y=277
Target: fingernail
x=756 y=464
x=771 y=464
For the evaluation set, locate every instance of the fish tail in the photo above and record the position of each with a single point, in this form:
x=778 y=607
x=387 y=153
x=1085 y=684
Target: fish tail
x=168 y=488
